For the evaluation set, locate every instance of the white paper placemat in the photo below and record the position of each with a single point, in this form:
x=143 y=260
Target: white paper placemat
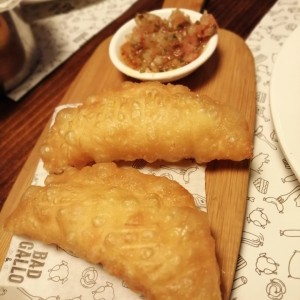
x=269 y=263
x=268 y=266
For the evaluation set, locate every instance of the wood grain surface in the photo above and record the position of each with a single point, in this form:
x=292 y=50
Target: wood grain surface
x=228 y=76
x=21 y=123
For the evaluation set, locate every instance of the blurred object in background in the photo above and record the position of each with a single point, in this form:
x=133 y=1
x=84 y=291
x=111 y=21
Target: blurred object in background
x=18 y=50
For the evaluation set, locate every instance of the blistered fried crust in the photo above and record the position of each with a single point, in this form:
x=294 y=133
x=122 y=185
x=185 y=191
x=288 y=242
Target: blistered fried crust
x=150 y=234
x=149 y=121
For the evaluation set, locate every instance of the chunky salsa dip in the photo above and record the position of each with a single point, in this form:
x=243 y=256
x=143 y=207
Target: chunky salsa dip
x=159 y=45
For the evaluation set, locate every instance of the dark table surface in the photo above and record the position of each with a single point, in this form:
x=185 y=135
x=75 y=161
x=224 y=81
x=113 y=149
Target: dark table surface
x=22 y=122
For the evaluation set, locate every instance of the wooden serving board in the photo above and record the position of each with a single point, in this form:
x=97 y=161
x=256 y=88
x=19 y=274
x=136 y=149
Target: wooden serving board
x=228 y=76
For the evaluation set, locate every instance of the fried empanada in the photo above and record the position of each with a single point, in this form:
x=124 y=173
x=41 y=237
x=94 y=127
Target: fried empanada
x=141 y=228
x=150 y=121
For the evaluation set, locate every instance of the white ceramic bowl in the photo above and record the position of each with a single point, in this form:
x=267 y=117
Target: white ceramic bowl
x=119 y=38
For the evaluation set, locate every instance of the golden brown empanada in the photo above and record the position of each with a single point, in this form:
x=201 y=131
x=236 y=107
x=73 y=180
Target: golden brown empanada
x=149 y=121
x=141 y=228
